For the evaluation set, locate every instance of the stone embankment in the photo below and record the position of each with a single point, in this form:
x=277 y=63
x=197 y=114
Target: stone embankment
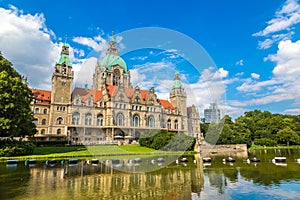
x=234 y=150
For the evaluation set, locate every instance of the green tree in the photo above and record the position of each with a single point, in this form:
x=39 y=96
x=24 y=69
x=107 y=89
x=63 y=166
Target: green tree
x=16 y=117
x=288 y=135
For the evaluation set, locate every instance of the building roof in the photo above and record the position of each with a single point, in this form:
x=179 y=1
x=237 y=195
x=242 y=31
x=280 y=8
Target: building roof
x=42 y=95
x=166 y=104
x=111 y=60
x=112 y=91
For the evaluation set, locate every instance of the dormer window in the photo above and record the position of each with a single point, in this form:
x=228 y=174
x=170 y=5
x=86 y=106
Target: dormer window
x=90 y=103
x=137 y=100
x=77 y=101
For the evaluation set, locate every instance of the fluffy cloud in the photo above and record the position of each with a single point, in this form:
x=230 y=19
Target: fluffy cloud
x=26 y=42
x=255 y=76
x=240 y=62
x=284 y=85
x=284 y=20
x=287 y=59
x=286 y=17
x=97 y=43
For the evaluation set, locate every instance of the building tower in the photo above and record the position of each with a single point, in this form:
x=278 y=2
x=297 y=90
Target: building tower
x=178 y=99
x=62 y=79
x=112 y=69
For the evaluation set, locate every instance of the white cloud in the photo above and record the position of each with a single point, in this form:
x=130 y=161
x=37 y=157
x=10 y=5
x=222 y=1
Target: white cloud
x=284 y=85
x=239 y=74
x=285 y=18
x=287 y=59
x=280 y=27
x=26 y=42
x=142 y=58
x=240 y=62
x=255 y=76
x=97 y=43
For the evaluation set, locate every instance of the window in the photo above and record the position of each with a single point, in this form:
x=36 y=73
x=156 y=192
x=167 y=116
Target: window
x=75 y=118
x=64 y=70
x=43 y=131
x=151 y=121
x=176 y=124
x=77 y=101
x=169 y=124
x=58 y=131
x=136 y=120
x=137 y=100
x=88 y=119
x=59 y=120
x=90 y=102
x=44 y=122
x=35 y=121
x=120 y=119
x=45 y=111
x=37 y=110
x=100 y=119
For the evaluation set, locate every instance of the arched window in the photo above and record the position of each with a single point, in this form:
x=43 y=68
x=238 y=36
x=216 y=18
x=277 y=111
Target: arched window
x=59 y=120
x=58 y=131
x=169 y=124
x=64 y=70
x=151 y=121
x=45 y=111
x=44 y=122
x=100 y=119
x=43 y=131
x=88 y=119
x=120 y=119
x=37 y=110
x=75 y=118
x=36 y=121
x=136 y=120
x=176 y=124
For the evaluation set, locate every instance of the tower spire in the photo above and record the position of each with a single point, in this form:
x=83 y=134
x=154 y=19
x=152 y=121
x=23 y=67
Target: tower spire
x=177 y=81
x=112 y=49
x=66 y=39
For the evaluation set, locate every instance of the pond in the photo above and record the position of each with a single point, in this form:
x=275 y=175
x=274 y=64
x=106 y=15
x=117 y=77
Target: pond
x=160 y=177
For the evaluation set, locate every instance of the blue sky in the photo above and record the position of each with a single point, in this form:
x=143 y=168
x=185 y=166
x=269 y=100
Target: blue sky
x=254 y=46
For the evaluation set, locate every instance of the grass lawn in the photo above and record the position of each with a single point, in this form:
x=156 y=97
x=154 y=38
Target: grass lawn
x=44 y=153
x=257 y=147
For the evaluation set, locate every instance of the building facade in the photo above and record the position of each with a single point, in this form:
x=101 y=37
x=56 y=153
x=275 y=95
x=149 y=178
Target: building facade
x=212 y=114
x=112 y=110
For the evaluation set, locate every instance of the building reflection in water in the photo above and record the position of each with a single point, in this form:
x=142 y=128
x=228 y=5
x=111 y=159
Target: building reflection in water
x=84 y=181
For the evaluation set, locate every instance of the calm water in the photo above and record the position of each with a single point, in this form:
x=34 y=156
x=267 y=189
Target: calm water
x=238 y=180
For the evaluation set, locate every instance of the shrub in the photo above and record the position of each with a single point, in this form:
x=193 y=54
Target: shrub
x=16 y=148
x=265 y=142
x=167 y=141
x=51 y=142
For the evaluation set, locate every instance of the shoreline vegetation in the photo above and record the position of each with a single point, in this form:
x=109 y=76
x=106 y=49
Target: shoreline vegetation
x=64 y=152
x=258 y=147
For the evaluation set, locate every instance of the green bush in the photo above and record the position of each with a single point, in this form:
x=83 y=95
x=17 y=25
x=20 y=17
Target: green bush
x=265 y=142
x=167 y=141
x=51 y=142
x=16 y=148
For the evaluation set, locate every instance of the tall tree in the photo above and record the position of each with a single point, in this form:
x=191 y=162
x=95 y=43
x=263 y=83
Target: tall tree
x=288 y=135
x=16 y=117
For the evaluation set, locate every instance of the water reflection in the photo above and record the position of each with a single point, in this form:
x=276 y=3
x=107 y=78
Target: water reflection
x=191 y=180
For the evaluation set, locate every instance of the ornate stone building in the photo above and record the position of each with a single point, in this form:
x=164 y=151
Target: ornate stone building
x=112 y=110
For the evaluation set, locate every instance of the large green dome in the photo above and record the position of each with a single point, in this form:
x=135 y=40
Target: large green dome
x=110 y=60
